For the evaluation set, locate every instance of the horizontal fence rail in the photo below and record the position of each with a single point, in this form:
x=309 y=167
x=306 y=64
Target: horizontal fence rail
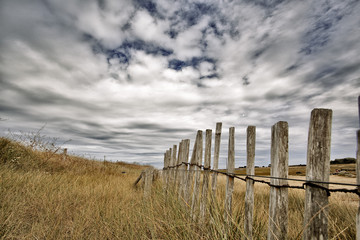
x=184 y=175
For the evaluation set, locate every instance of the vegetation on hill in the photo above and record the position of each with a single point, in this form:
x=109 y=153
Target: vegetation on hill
x=46 y=196
x=343 y=161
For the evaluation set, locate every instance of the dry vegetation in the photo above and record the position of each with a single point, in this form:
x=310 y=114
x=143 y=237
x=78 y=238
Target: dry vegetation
x=300 y=170
x=43 y=196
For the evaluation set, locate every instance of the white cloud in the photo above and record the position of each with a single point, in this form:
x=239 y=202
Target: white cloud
x=147 y=28
x=127 y=109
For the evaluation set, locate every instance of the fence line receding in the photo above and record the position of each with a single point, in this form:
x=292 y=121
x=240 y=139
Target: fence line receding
x=196 y=182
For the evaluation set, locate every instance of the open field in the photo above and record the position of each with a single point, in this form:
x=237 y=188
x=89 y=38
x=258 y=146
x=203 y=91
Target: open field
x=348 y=170
x=43 y=196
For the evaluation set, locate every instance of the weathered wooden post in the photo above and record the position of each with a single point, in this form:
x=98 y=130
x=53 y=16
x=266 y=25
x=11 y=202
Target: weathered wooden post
x=142 y=176
x=216 y=158
x=192 y=168
x=168 y=164
x=195 y=195
x=148 y=182
x=230 y=180
x=173 y=164
x=164 y=169
x=178 y=161
x=250 y=170
x=318 y=169
x=206 y=177
x=64 y=154
x=184 y=167
x=278 y=206
x=358 y=182
x=359 y=109
x=180 y=172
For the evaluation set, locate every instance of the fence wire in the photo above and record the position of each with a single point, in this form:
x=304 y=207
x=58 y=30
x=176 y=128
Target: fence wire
x=245 y=177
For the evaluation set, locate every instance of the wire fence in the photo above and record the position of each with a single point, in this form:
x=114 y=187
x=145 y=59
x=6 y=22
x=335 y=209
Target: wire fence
x=186 y=173
x=252 y=177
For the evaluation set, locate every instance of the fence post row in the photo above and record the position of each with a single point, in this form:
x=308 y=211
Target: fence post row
x=317 y=169
x=250 y=170
x=188 y=178
x=278 y=205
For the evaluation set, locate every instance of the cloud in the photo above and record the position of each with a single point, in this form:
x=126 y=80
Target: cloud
x=128 y=79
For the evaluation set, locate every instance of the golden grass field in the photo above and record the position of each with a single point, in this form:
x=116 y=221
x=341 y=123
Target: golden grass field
x=301 y=170
x=43 y=196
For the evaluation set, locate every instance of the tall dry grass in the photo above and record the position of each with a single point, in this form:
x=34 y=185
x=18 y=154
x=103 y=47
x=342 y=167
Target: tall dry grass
x=44 y=197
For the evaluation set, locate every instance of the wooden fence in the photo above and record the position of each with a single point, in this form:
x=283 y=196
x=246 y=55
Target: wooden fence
x=185 y=175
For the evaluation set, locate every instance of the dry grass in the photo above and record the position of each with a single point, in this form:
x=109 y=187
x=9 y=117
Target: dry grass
x=44 y=197
x=300 y=170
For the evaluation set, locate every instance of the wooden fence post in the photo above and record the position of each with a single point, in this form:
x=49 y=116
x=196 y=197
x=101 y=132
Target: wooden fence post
x=64 y=154
x=168 y=164
x=180 y=172
x=230 y=180
x=164 y=170
x=358 y=182
x=178 y=161
x=183 y=168
x=317 y=169
x=192 y=167
x=278 y=206
x=216 y=158
x=172 y=164
x=250 y=170
x=148 y=182
x=195 y=194
x=359 y=108
x=206 y=177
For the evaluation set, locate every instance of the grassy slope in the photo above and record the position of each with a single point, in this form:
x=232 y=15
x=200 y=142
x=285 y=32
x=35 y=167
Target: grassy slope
x=43 y=196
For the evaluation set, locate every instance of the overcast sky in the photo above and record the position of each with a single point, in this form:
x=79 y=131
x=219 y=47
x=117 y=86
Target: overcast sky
x=128 y=79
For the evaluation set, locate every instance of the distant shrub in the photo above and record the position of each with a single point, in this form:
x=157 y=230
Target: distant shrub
x=343 y=161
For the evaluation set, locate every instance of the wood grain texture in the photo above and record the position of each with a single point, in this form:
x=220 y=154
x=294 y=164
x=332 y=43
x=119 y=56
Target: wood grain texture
x=172 y=164
x=193 y=160
x=358 y=182
x=317 y=169
x=278 y=203
x=216 y=158
x=250 y=170
x=168 y=171
x=183 y=168
x=178 y=161
x=206 y=178
x=148 y=182
x=230 y=180
x=196 y=192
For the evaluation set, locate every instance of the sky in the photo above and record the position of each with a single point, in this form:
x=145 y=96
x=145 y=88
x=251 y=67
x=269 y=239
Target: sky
x=129 y=79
